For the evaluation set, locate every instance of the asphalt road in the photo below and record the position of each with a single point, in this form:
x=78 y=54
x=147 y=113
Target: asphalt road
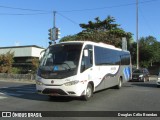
x=133 y=96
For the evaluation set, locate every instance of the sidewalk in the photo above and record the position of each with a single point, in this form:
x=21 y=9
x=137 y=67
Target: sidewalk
x=153 y=77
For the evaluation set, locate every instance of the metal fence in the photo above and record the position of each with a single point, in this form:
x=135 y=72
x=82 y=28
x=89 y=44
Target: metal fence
x=20 y=77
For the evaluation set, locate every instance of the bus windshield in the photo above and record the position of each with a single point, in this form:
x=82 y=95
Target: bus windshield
x=60 y=61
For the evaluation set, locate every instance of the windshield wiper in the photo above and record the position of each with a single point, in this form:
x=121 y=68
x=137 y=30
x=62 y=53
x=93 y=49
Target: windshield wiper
x=104 y=64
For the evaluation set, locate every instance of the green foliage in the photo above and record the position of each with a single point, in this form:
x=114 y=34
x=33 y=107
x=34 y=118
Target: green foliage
x=133 y=52
x=149 y=49
x=16 y=70
x=69 y=38
x=105 y=31
x=6 y=61
x=107 y=24
x=144 y=64
x=35 y=64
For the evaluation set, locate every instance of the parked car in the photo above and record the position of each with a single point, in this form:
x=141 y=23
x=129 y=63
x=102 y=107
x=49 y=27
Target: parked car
x=158 y=80
x=140 y=75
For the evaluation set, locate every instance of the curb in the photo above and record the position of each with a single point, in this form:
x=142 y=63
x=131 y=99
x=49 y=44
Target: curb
x=18 y=81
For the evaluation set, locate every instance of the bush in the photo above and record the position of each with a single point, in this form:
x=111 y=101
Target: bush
x=6 y=61
x=15 y=70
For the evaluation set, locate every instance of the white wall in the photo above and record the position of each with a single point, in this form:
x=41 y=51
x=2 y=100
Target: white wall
x=36 y=51
x=23 y=51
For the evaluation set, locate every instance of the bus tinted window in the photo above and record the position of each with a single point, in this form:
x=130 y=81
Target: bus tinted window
x=106 y=56
x=125 y=59
x=87 y=61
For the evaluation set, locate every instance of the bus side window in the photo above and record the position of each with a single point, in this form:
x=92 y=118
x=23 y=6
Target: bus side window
x=125 y=59
x=87 y=60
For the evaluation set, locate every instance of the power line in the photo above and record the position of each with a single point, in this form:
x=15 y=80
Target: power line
x=99 y=8
x=40 y=12
x=24 y=9
x=80 y=10
x=108 y=7
x=67 y=18
x=43 y=12
x=89 y=9
x=21 y=14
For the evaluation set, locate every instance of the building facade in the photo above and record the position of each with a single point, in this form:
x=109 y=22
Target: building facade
x=23 y=55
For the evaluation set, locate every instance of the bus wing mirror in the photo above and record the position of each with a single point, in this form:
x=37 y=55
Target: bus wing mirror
x=86 y=53
x=41 y=54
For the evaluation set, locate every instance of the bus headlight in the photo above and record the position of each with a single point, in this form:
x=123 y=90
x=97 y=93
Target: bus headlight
x=39 y=83
x=71 y=83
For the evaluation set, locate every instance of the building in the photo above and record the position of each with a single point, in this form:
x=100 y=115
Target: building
x=23 y=55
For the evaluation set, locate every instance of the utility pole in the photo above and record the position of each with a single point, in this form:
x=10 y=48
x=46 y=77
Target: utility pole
x=54 y=23
x=54 y=19
x=137 y=34
x=54 y=33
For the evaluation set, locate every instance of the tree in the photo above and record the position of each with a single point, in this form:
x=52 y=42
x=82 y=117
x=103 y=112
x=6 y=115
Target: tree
x=69 y=38
x=107 y=24
x=133 y=52
x=148 y=51
x=106 y=31
x=35 y=64
x=6 y=61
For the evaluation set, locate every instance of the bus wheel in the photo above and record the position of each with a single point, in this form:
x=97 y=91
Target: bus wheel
x=89 y=92
x=119 y=83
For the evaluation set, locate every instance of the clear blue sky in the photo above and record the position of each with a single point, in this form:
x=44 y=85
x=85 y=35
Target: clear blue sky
x=26 y=22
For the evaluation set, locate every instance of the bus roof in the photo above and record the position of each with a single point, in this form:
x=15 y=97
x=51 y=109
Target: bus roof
x=96 y=44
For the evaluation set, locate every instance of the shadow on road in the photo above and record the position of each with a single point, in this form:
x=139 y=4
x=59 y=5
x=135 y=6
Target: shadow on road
x=146 y=84
x=29 y=92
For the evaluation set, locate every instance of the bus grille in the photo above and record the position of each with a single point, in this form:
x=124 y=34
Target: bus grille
x=54 y=91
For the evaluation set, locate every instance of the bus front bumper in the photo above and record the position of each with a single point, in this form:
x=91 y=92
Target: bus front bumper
x=62 y=90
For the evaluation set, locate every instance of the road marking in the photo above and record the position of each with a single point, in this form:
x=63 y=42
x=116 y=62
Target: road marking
x=1 y=97
x=2 y=93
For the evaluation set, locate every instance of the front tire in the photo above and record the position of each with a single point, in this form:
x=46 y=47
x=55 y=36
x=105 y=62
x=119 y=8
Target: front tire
x=119 y=83
x=89 y=92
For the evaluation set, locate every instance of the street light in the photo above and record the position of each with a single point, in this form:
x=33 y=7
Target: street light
x=57 y=33
x=50 y=34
